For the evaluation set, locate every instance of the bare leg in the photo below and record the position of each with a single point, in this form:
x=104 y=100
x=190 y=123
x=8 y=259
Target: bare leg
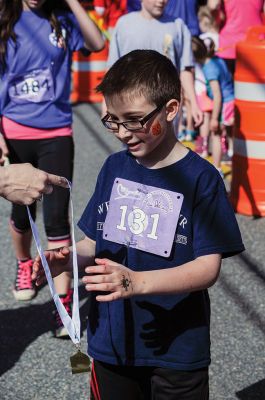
x=216 y=149
x=190 y=132
x=21 y=243
x=204 y=133
x=62 y=282
x=229 y=131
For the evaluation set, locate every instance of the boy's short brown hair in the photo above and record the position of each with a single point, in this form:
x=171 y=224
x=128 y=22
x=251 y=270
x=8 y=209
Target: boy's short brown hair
x=142 y=72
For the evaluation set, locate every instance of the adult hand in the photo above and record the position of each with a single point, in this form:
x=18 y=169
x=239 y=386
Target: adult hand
x=58 y=261
x=23 y=184
x=197 y=115
x=109 y=276
x=3 y=149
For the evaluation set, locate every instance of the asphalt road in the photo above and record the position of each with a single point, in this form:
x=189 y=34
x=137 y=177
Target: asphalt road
x=34 y=365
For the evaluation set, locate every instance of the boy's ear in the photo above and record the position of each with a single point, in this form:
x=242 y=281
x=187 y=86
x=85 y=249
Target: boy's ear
x=172 y=108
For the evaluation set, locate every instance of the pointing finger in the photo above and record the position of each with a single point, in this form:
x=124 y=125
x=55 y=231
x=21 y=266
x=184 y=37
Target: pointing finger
x=57 y=180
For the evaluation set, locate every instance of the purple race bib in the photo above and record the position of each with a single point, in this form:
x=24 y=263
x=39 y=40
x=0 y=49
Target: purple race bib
x=143 y=217
x=35 y=86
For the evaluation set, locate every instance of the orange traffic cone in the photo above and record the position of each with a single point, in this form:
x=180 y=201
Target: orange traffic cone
x=87 y=73
x=248 y=164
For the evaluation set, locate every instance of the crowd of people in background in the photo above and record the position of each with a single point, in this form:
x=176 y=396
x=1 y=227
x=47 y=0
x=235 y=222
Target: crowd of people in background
x=207 y=79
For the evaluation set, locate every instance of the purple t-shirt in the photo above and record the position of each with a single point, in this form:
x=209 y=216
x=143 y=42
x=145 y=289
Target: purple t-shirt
x=35 y=87
x=170 y=331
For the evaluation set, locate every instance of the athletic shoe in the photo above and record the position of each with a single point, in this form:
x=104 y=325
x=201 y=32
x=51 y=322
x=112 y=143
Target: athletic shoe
x=190 y=135
x=182 y=136
x=60 y=330
x=230 y=153
x=24 y=287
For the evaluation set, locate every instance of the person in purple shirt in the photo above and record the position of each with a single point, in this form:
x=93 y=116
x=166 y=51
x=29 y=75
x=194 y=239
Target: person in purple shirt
x=37 y=41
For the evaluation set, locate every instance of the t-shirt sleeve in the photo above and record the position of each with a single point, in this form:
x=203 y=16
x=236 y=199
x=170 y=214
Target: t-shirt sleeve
x=211 y=71
x=75 y=39
x=215 y=228
x=184 y=45
x=88 y=220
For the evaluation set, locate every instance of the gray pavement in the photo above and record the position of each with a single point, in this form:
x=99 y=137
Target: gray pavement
x=35 y=366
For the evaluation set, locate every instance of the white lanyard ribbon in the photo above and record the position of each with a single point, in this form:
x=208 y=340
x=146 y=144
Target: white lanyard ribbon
x=72 y=325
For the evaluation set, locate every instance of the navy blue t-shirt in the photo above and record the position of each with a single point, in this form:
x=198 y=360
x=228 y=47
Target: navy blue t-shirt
x=170 y=331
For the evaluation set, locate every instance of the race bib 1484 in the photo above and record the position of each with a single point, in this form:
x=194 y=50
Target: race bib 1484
x=35 y=86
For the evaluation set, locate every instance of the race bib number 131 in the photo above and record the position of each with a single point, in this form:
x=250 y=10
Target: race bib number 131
x=143 y=217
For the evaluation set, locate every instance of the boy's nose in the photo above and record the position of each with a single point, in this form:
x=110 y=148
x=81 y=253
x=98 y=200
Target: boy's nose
x=123 y=132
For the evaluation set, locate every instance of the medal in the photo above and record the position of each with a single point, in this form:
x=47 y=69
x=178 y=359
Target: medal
x=80 y=362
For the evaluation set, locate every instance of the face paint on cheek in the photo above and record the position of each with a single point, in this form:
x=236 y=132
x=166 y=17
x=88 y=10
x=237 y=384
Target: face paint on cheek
x=156 y=129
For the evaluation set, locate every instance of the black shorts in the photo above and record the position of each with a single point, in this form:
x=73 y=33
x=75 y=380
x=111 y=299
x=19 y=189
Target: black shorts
x=55 y=156
x=111 y=382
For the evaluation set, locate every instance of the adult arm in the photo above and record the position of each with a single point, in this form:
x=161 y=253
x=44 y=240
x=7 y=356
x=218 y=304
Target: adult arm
x=186 y=64
x=187 y=81
x=92 y=35
x=23 y=184
x=122 y=282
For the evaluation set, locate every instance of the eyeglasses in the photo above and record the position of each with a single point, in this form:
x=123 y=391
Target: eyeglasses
x=131 y=125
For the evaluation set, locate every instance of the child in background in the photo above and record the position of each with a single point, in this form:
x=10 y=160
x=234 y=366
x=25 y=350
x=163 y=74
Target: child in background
x=156 y=228
x=208 y=26
x=209 y=30
x=151 y=28
x=221 y=90
x=206 y=105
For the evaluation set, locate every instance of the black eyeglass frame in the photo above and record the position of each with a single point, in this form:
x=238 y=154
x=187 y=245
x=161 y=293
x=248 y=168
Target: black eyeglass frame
x=142 y=121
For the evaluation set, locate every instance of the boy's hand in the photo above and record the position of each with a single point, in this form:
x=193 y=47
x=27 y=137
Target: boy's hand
x=214 y=125
x=57 y=260
x=109 y=276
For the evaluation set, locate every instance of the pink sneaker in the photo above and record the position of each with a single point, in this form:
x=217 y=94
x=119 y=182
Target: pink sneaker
x=24 y=287
x=60 y=330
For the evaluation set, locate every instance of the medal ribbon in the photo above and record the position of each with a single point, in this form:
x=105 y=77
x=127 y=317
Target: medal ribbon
x=72 y=325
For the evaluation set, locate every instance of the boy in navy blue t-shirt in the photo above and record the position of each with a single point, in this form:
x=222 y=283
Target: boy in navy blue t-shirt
x=157 y=226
